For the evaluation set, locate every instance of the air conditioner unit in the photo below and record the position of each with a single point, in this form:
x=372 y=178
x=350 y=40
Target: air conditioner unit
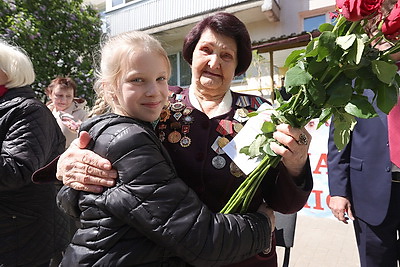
x=271 y=10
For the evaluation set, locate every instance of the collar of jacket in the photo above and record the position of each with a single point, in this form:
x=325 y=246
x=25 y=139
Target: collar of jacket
x=3 y=90
x=14 y=96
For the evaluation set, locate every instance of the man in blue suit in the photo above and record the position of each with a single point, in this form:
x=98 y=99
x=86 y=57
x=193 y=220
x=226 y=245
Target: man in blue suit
x=364 y=181
x=365 y=184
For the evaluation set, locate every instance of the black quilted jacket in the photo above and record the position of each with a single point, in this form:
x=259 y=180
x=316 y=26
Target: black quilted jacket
x=32 y=228
x=151 y=218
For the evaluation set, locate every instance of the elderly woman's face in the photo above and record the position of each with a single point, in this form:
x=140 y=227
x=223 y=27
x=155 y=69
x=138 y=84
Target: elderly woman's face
x=214 y=61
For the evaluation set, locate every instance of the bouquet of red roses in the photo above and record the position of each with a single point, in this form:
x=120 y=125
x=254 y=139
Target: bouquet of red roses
x=328 y=78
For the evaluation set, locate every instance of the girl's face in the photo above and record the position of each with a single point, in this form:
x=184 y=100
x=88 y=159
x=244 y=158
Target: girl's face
x=143 y=90
x=214 y=62
x=62 y=97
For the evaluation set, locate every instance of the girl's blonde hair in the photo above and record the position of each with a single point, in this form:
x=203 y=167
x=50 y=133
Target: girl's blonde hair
x=15 y=63
x=115 y=57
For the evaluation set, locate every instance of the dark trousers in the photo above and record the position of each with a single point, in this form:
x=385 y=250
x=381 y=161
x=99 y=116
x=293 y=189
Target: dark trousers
x=379 y=246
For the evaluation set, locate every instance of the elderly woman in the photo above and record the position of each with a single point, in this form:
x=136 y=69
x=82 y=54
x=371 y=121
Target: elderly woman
x=200 y=120
x=32 y=228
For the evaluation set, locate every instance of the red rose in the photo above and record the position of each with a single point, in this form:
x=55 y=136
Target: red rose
x=355 y=10
x=391 y=25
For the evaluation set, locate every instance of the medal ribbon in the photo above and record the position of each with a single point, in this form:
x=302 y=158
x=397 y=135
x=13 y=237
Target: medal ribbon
x=225 y=127
x=256 y=102
x=242 y=101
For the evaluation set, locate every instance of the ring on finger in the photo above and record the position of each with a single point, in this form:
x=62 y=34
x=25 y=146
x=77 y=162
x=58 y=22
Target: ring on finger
x=303 y=140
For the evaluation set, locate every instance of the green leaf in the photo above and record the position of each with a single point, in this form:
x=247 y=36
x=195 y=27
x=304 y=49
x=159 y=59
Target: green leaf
x=326 y=45
x=325 y=27
x=385 y=71
x=254 y=148
x=293 y=57
x=325 y=115
x=360 y=50
x=344 y=124
x=360 y=107
x=252 y=114
x=268 y=127
x=316 y=67
x=355 y=53
x=245 y=150
x=345 y=42
x=387 y=97
x=317 y=93
x=296 y=76
x=339 y=93
x=312 y=48
x=267 y=148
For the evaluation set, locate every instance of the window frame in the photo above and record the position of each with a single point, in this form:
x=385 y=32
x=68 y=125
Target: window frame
x=315 y=12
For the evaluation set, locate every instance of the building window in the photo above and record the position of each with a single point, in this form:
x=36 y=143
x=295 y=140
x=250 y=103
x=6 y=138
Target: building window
x=181 y=73
x=117 y=2
x=120 y=2
x=311 y=19
x=312 y=23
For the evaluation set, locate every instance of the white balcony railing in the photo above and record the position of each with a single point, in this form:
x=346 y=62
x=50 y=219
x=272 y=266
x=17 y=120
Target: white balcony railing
x=145 y=14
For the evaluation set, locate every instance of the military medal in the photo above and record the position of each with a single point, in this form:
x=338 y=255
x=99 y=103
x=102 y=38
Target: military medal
x=185 y=140
x=218 y=162
x=177 y=107
x=177 y=115
x=224 y=128
x=241 y=115
x=215 y=146
x=237 y=127
x=235 y=170
x=161 y=136
x=174 y=136
x=187 y=119
x=223 y=141
x=165 y=114
x=187 y=111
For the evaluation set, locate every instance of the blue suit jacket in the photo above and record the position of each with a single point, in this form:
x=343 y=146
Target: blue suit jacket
x=362 y=170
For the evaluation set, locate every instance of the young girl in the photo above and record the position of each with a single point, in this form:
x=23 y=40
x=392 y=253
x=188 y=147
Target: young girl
x=68 y=110
x=150 y=217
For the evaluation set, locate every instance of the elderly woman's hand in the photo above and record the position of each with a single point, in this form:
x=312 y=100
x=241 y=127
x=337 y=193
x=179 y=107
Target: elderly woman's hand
x=296 y=142
x=83 y=169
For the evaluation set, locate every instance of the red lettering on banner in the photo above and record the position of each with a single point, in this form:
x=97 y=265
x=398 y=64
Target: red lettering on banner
x=318 y=205
x=322 y=163
x=318 y=199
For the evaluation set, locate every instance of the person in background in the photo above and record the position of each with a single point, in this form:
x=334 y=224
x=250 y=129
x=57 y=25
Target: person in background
x=150 y=217
x=32 y=228
x=198 y=122
x=282 y=91
x=68 y=110
x=364 y=181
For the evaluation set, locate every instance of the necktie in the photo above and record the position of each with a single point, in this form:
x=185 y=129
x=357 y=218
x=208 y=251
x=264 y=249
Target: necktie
x=394 y=134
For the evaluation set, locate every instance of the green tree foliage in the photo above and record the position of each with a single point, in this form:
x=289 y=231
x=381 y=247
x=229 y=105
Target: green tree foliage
x=60 y=36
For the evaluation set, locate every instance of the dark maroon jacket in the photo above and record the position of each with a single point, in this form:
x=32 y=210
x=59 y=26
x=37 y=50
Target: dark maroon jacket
x=215 y=186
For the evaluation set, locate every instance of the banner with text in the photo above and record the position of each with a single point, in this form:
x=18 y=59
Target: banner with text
x=317 y=204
